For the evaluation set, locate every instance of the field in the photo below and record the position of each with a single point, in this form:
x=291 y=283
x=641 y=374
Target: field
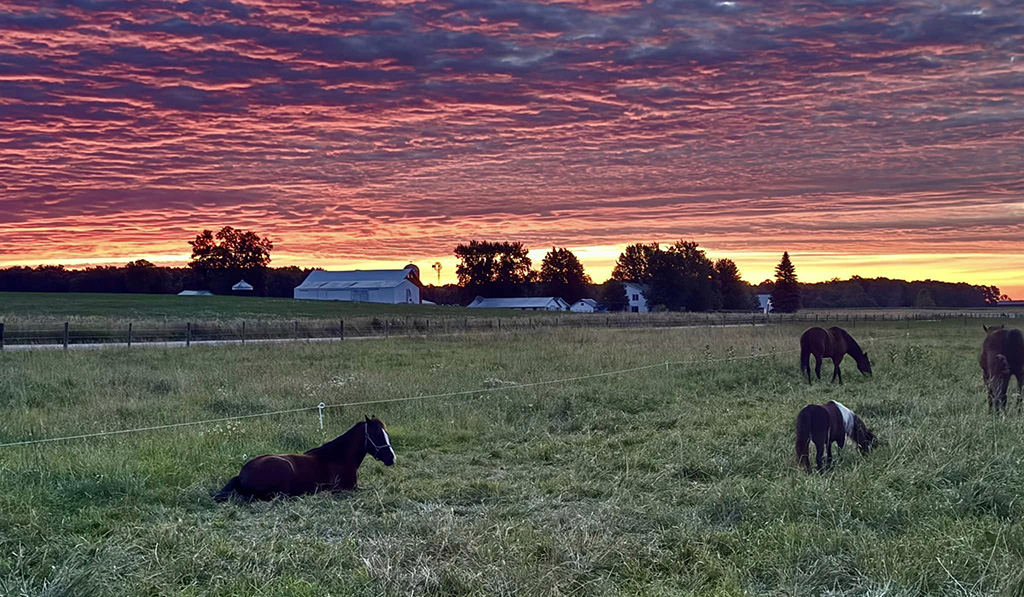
x=55 y=306
x=677 y=479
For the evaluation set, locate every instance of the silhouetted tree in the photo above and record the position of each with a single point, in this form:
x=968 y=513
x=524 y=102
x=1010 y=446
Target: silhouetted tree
x=736 y=294
x=634 y=264
x=786 y=294
x=924 y=300
x=281 y=282
x=612 y=295
x=222 y=259
x=493 y=269
x=562 y=274
x=683 y=277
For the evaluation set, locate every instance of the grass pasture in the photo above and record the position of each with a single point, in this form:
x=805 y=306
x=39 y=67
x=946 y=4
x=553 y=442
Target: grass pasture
x=62 y=306
x=672 y=480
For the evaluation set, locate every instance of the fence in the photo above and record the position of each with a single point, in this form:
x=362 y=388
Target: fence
x=67 y=335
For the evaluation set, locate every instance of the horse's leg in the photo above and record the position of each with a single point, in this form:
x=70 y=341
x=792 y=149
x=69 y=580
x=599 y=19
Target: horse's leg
x=828 y=461
x=817 y=368
x=820 y=439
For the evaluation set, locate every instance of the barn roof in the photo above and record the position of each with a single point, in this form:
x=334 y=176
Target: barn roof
x=528 y=302
x=242 y=285
x=586 y=301
x=359 y=279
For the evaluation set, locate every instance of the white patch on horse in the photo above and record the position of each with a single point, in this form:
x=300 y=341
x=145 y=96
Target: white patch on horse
x=387 y=442
x=847 y=415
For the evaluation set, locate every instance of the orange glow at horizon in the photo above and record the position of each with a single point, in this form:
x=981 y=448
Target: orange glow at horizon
x=599 y=261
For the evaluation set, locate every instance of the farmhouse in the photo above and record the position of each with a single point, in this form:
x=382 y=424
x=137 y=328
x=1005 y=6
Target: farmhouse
x=635 y=297
x=584 y=306
x=366 y=286
x=764 y=301
x=533 y=303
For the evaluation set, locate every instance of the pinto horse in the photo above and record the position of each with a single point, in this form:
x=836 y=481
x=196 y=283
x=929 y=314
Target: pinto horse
x=331 y=467
x=824 y=424
x=1002 y=356
x=832 y=343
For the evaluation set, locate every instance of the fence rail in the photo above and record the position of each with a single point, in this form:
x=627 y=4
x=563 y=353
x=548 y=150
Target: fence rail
x=66 y=335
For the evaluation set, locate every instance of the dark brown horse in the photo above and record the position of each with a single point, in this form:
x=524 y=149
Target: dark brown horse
x=1002 y=356
x=832 y=343
x=331 y=467
x=824 y=424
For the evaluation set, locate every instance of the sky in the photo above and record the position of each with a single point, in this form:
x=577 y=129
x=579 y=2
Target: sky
x=877 y=138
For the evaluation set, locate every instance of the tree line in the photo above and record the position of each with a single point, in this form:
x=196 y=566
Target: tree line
x=676 y=277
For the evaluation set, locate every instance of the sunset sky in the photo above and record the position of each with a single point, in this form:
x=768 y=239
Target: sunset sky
x=864 y=137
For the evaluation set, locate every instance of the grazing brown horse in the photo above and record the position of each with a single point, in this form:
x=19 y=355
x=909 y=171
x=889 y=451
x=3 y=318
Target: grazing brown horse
x=824 y=424
x=331 y=467
x=1002 y=356
x=832 y=343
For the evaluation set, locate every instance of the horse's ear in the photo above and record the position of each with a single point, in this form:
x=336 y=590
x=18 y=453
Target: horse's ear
x=367 y=418
x=984 y=327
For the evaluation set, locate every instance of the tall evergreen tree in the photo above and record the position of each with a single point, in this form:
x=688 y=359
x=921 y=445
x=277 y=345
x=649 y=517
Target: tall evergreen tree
x=786 y=294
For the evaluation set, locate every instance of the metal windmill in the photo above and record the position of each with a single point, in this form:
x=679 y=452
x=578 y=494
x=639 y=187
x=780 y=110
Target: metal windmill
x=437 y=268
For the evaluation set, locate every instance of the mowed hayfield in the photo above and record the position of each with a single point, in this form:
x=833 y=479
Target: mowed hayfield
x=677 y=479
x=63 y=306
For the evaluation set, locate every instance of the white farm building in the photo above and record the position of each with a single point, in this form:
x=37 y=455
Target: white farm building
x=637 y=302
x=400 y=286
x=584 y=306
x=530 y=303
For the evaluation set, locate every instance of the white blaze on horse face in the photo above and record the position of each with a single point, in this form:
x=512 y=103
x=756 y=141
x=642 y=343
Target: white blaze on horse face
x=387 y=442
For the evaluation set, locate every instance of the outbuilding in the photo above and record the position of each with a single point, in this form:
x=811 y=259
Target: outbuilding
x=363 y=286
x=584 y=306
x=242 y=286
x=529 y=303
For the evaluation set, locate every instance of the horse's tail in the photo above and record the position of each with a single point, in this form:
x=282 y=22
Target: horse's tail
x=805 y=360
x=803 y=438
x=225 y=494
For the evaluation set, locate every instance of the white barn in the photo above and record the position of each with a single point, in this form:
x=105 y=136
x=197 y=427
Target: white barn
x=584 y=306
x=637 y=302
x=363 y=286
x=764 y=301
x=530 y=303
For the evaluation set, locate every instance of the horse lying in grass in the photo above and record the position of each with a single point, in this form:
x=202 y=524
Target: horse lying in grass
x=832 y=343
x=1002 y=356
x=824 y=424
x=331 y=467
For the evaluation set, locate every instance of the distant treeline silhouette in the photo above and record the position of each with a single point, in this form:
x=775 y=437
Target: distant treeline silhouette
x=889 y=293
x=677 y=277
x=280 y=282
x=146 y=278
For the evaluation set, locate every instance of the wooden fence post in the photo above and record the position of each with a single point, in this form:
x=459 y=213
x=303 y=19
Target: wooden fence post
x=243 y=331
x=341 y=329
x=67 y=325
x=129 y=334
x=296 y=329
x=1 y=335
x=387 y=328
x=188 y=334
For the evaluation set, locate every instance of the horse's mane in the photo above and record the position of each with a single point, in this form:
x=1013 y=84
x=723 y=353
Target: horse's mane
x=336 y=447
x=852 y=347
